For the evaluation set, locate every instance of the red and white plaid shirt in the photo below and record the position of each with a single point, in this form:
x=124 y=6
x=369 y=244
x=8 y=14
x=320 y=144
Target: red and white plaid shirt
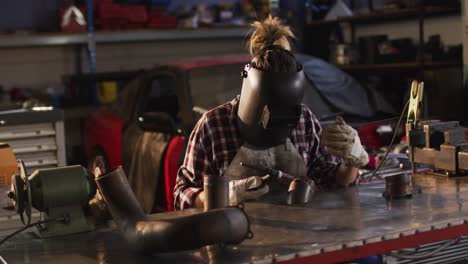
x=215 y=141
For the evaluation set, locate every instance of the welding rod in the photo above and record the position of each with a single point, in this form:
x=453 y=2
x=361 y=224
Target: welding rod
x=274 y=173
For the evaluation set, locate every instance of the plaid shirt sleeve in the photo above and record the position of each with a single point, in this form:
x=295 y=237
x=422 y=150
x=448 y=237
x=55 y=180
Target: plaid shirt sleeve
x=197 y=164
x=322 y=166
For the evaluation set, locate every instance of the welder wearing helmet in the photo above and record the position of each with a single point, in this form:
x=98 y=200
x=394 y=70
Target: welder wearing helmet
x=267 y=126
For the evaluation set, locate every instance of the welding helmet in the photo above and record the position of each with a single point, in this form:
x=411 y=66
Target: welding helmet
x=269 y=105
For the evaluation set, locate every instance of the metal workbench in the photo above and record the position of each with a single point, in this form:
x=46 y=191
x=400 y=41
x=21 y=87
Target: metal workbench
x=337 y=226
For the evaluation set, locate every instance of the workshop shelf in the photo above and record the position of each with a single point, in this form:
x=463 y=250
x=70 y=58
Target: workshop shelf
x=401 y=67
x=361 y=33
x=61 y=39
x=390 y=15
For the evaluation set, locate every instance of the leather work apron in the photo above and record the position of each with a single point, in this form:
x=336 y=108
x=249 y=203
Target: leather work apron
x=284 y=157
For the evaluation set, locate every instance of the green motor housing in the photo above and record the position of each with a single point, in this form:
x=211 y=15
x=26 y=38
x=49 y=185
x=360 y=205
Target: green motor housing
x=59 y=192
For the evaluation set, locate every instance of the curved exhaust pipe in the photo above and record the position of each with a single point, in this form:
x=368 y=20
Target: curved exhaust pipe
x=218 y=226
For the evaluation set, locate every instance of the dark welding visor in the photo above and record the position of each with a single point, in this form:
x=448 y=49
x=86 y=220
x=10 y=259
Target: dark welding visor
x=276 y=116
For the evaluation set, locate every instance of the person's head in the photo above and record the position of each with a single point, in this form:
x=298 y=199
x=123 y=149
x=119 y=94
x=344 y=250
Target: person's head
x=270 y=47
x=272 y=88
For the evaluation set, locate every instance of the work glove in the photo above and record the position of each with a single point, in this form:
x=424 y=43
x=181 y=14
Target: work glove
x=247 y=189
x=343 y=141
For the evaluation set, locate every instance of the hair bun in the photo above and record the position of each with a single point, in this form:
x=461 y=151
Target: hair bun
x=270 y=32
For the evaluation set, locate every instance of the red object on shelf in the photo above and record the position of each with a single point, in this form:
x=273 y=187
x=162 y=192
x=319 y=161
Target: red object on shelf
x=135 y=14
x=110 y=24
x=157 y=19
x=108 y=11
x=111 y=16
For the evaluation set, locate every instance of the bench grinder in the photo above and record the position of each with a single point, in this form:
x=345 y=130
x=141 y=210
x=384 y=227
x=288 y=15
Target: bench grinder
x=62 y=192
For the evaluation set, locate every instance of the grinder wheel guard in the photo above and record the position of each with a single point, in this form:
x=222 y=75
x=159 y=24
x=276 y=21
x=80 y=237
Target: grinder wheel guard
x=21 y=194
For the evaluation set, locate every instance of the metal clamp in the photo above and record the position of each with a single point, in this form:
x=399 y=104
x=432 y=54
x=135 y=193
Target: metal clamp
x=415 y=104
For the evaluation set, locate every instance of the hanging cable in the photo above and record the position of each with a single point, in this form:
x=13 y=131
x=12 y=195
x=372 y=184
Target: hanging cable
x=64 y=219
x=391 y=142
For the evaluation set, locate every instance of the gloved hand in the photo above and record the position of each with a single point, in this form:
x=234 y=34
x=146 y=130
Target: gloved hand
x=241 y=190
x=343 y=141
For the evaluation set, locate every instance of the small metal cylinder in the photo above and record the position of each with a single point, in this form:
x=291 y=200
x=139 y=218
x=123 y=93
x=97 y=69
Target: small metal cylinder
x=216 y=191
x=398 y=186
x=300 y=191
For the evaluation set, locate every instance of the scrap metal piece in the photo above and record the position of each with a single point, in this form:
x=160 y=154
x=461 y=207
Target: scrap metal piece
x=435 y=132
x=463 y=160
x=454 y=136
x=447 y=158
x=424 y=156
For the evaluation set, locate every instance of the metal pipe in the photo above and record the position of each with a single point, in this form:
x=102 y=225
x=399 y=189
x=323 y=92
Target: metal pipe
x=218 y=226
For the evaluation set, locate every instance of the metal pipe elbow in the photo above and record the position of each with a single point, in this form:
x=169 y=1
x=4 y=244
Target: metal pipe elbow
x=219 y=226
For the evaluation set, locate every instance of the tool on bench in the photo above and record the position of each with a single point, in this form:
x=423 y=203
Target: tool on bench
x=277 y=174
x=413 y=123
x=401 y=184
x=271 y=173
x=58 y=193
x=300 y=191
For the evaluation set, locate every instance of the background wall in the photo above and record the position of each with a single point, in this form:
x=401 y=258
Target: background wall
x=43 y=66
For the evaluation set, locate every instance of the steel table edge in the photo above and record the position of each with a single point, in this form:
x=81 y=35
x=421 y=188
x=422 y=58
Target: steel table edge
x=381 y=247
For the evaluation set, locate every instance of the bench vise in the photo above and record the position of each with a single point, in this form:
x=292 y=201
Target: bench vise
x=441 y=145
